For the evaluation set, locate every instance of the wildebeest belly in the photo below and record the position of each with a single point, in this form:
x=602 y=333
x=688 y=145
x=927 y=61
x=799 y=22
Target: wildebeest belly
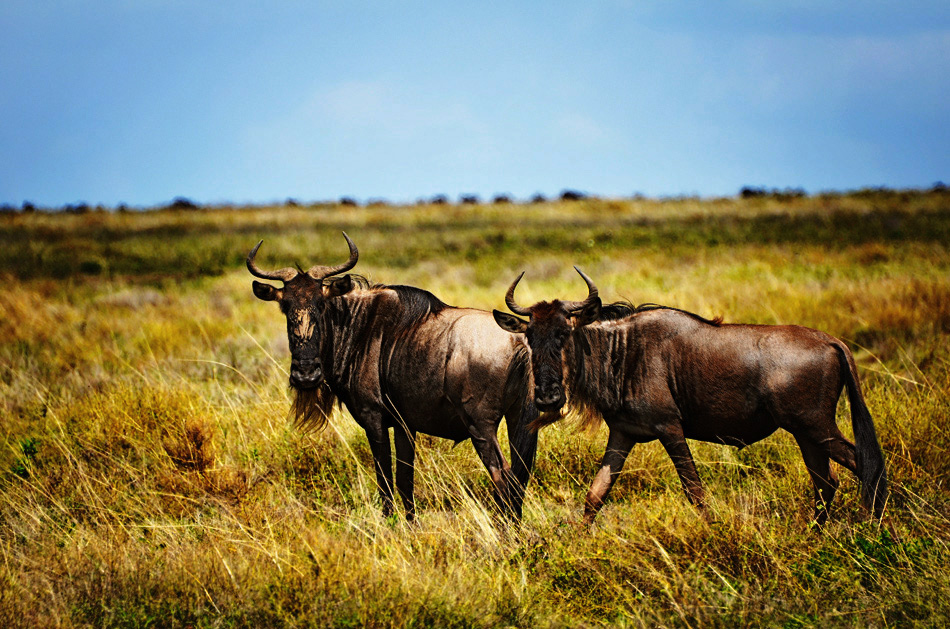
x=426 y=416
x=734 y=430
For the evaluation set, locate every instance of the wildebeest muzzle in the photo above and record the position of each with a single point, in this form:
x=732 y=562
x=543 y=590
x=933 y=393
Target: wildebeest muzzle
x=550 y=399
x=305 y=373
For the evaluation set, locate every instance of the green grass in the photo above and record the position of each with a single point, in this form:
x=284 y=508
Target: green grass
x=149 y=475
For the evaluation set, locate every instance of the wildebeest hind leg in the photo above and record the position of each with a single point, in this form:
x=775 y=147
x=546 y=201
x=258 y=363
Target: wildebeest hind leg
x=405 y=441
x=819 y=468
x=618 y=447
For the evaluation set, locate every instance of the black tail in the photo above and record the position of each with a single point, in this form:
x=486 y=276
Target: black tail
x=870 y=459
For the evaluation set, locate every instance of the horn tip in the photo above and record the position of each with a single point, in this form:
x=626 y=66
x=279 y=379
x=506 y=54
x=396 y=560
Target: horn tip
x=253 y=252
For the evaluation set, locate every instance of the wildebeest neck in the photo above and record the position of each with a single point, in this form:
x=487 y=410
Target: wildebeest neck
x=363 y=324
x=592 y=368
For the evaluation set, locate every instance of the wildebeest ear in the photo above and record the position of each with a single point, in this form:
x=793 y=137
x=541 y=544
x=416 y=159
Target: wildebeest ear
x=266 y=292
x=587 y=314
x=509 y=322
x=338 y=286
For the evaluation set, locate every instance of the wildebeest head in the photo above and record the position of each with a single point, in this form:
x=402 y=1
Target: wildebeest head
x=549 y=331
x=303 y=299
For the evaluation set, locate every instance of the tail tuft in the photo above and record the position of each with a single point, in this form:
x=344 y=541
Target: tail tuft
x=870 y=460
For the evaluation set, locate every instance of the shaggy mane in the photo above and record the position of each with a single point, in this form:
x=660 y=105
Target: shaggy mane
x=621 y=309
x=580 y=409
x=311 y=408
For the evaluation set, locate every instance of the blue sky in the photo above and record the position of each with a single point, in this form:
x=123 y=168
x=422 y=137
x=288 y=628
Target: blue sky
x=141 y=101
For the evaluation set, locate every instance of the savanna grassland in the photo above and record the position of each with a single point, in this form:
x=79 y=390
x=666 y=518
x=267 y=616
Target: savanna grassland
x=149 y=475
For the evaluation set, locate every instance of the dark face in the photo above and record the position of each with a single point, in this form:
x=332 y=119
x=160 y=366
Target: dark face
x=303 y=300
x=548 y=331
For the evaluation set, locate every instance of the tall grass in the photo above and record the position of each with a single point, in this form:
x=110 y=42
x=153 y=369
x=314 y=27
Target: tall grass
x=149 y=474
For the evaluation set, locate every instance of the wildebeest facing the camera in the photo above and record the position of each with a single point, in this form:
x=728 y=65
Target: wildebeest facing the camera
x=654 y=372
x=398 y=357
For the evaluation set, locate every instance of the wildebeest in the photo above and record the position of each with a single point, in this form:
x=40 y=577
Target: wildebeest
x=398 y=357
x=656 y=372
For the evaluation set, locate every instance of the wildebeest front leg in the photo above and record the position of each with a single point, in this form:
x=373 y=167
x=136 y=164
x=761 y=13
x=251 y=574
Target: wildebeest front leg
x=676 y=447
x=382 y=458
x=618 y=447
x=405 y=460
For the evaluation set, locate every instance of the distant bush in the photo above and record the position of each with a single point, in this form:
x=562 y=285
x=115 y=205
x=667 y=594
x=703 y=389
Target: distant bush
x=91 y=267
x=183 y=203
x=572 y=195
x=28 y=207
x=348 y=202
x=122 y=208
x=939 y=187
x=6 y=208
x=78 y=208
x=439 y=199
x=290 y=202
x=469 y=199
x=501 y=198
x=749 y=192
x=752 y=192
x=538 y=198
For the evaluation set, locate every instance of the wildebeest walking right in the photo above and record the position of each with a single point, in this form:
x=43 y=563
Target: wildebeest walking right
x=661 y=373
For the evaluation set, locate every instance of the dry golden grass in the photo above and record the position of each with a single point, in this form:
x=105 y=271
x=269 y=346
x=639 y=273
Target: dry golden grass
x=149 y=474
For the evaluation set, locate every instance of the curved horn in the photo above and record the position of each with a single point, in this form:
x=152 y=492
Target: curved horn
x=285 y=275
x=510 y=299
x=592 y=294
x=319 y=272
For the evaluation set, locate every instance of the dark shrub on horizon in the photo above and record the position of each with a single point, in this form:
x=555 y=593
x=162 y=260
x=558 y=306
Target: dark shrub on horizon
x=439 y=199
x=78 y=208
x=538 y=198
x=572 y=195
x=469 y=199
x=751 y=192
x=28 y=207
x=348 y=202
x=6 y=208
x=183 y=203
x=501 y=198
x=291 y=202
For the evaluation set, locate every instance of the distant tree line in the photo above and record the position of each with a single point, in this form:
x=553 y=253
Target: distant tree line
x=184 y=204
